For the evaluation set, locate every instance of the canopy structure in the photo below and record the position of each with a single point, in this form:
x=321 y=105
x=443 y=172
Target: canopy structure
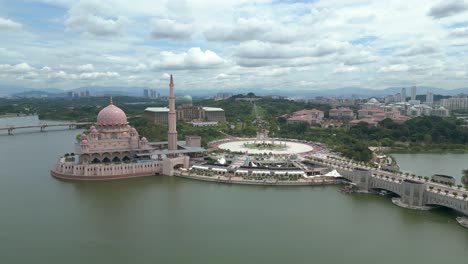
x=200 y=167
x=333 y=173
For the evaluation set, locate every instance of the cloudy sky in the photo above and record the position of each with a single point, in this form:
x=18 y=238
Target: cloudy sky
x=214 y=44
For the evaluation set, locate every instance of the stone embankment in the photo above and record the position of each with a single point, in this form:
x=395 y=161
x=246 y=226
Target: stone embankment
x=264 y=182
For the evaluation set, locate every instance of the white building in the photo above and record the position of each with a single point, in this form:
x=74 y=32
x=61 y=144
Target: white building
x=455 y=103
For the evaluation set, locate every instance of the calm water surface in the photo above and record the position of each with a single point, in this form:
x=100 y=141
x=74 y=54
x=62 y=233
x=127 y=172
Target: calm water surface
x=428 y=164
x=171 y=220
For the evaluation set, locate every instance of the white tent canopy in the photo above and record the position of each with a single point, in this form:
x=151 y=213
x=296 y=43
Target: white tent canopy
x=333 y=173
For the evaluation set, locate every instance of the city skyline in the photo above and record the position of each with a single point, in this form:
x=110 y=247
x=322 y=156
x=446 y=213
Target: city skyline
x=303 y=45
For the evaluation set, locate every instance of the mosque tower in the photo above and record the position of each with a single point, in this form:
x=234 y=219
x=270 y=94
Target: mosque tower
x=172 y=133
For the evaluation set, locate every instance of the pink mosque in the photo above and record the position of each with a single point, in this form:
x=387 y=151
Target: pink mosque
x=114 y=150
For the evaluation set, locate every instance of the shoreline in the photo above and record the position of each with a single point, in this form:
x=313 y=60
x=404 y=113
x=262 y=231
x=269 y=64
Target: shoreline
x=427 y=151
x=255 y=182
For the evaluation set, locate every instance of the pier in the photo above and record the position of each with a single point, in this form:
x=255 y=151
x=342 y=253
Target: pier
x=43 y=126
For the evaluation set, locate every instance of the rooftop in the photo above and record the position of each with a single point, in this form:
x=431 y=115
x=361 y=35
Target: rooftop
x=157 y=109
x=212 y=109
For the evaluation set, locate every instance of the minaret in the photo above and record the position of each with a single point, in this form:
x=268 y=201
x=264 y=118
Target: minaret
x=172 y=133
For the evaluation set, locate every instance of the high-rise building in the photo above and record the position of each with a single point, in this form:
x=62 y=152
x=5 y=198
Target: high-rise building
x=152 y=94
x=398 y=97
x=429 y=98
x=455 y=103
x=403 y=94
x=145 y=93
x=413 y=93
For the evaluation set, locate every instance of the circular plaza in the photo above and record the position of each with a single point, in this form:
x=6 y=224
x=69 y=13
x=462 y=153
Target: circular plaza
x=276 y=147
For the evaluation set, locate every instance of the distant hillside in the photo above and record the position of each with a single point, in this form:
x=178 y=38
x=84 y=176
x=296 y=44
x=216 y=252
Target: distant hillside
x=138 y=91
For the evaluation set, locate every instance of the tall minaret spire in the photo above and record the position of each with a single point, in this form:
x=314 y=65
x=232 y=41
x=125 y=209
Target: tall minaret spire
x=172 y=133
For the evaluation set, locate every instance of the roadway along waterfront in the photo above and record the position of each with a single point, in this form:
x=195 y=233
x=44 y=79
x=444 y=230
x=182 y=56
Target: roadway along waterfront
x=174 y=220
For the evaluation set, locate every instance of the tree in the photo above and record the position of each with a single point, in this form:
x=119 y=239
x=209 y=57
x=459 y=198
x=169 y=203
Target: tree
x=465 y=195
x=464 y=179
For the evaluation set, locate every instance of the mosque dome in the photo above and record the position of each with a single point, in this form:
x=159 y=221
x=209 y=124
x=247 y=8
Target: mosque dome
x=373 y=101
x=111 y=115
x=187 y=99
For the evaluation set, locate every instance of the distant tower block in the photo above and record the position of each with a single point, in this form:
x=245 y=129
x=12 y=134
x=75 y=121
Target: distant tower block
x=413 y=93
x=172 y=116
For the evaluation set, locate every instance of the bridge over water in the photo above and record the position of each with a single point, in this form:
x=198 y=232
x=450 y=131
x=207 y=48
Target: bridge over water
x=43 y=126
x=414 y=193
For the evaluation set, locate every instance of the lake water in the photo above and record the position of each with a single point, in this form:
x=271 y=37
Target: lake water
x=172 y=220
x=429 y=164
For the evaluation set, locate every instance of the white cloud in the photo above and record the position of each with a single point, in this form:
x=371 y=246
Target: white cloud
x=7 y=24
x=94 y=18
x=18 y=68
x=422 y=49
x=459 y=32
x=263 y=50
x=194 y=58
x=253 y=29
x=85 y=67
x=448 y=8
x=97 y=75
x=170 y=29
x=394 y=68
x=346 y=69
x=224 y=76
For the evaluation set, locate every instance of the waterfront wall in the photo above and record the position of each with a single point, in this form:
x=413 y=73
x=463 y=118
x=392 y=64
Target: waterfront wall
x=254 y=182
x=118 y=170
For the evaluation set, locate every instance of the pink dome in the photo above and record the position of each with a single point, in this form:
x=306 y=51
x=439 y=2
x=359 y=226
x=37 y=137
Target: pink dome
x=94 y=131
x=111 y=115
x=84 y=142
x=144 y=139
x=83 y=136
x=133 y=130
